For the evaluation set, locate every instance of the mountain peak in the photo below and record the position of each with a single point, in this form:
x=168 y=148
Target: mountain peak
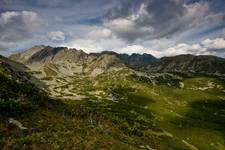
x=45 y=55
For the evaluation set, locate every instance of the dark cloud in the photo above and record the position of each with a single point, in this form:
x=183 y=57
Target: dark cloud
x=217 y=52
x=165 y=17
x=114 y=24
x=124 y=8
x=17 y=26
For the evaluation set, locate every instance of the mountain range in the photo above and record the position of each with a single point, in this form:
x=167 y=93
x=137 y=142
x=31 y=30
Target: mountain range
x=82 y=62
x=189 y=63
x=60 y=98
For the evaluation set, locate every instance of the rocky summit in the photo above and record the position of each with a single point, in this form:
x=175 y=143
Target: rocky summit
x=72 y=61
x=82 y=62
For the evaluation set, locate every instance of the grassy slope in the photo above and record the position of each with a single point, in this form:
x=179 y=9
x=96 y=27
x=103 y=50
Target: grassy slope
x=172 y=116
x=128 y=113
x=52 y=124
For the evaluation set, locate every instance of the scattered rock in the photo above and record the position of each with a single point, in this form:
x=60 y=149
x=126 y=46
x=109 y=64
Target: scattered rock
x=146 y=147
x=17 y=123
x=96 y=72
x=145 y=107
x=181 y=85
x=190 y=145
x=149 y=148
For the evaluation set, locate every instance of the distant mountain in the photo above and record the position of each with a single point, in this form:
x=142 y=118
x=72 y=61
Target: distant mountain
x=134 y=61
x=70 y=61
x=188 y=63
x=137 y=61
x=61 y=60
x=46 y=54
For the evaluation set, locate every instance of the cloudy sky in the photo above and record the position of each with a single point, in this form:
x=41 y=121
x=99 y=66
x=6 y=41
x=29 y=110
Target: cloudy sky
x=158 y=27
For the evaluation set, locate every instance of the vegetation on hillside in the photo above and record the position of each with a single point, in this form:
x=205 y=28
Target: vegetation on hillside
x=120 y=110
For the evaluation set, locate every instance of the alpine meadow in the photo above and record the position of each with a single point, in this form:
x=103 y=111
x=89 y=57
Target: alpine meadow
x=112 y=75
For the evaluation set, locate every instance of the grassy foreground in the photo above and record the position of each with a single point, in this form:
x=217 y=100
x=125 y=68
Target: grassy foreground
x=121 y=111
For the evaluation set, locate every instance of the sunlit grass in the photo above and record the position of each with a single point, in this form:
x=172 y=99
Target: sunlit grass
x=129 y=112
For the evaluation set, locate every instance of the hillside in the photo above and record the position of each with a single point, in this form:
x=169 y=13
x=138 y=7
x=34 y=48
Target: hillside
x=77 y=61
x=85 y=62
x=189 y=63
x=112 y=74
x=17 y=93
x=117 y=107
x=136 y=61
x=56 y=66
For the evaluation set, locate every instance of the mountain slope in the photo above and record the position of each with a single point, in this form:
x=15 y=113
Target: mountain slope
x=71 y=61
x=23 y=57
x=136 y=61
x=189 y=63
x=47 y=54
x=29 y=119
x=17 y=93
x=105 y=60
x=67 y=61
x=122 y=108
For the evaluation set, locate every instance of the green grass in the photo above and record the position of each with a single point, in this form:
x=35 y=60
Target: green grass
x=196 y=116
x=131 y=113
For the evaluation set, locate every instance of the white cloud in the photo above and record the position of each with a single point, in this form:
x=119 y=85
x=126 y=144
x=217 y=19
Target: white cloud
x=86 y=45
x=96 y=45
x=184 y=48
x=8 y=16
x=206 y=47
x=158 y=44
x=134 y=49
x=17 y=26
x=218 y=43
x=56 y=36
x=128 y=28
x=139 y=49
x=158 y=48
x=100 y=33
x=110 y=44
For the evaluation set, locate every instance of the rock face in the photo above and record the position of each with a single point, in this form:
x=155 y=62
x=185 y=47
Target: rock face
x=46 y=54
x=25 y=56
x=137 y=61
x=188 y=63
x=72 y=61
x=61 y=60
